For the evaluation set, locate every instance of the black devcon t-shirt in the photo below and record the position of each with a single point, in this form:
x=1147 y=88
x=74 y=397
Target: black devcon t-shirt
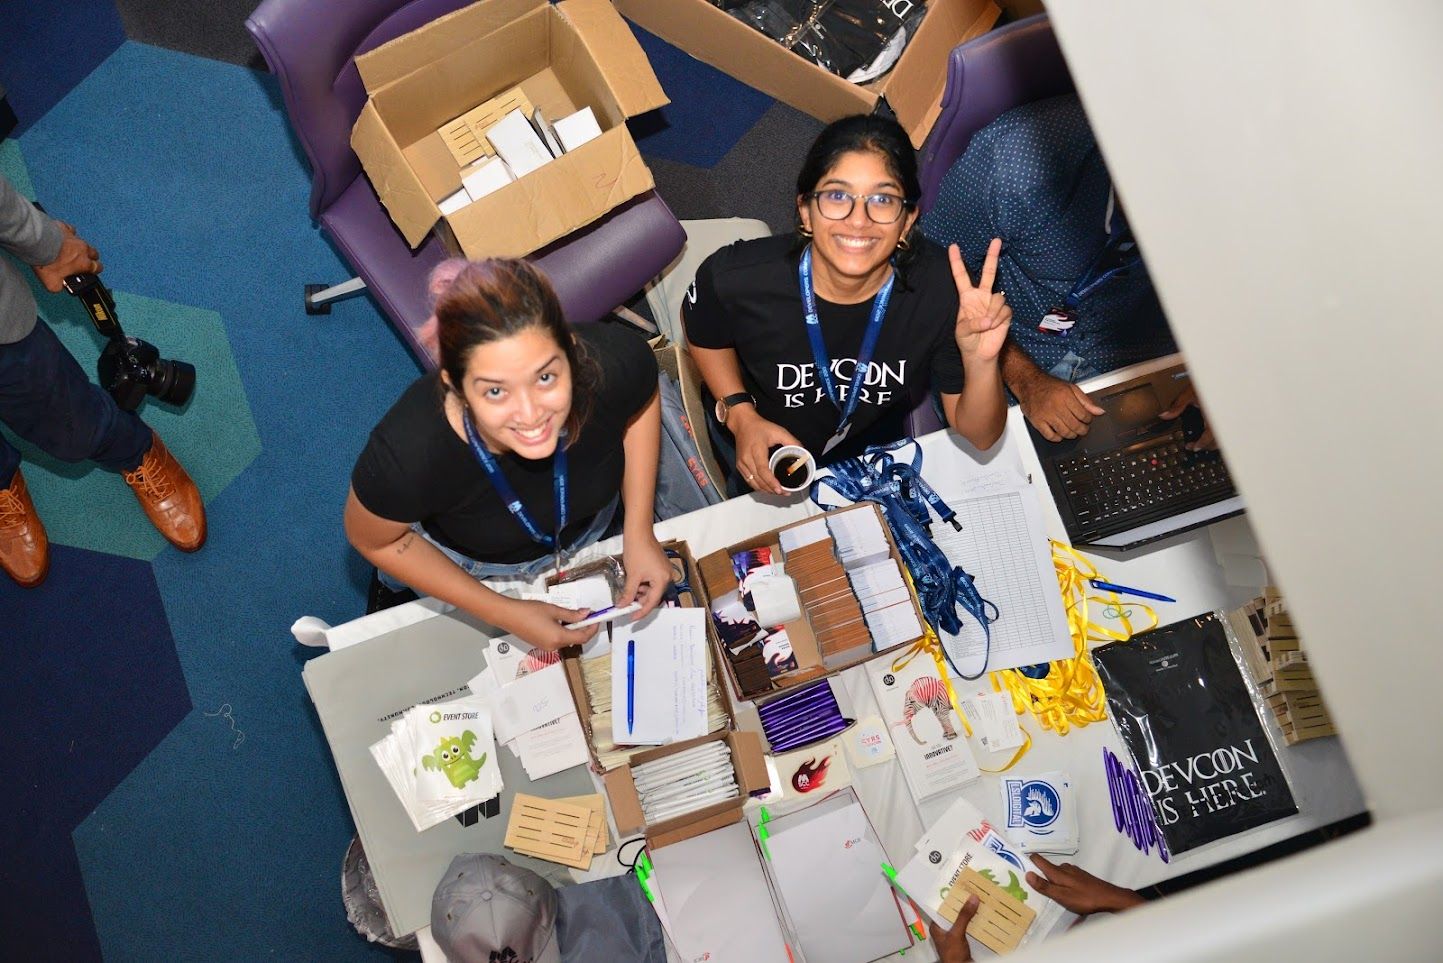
x=415 y=468
x=747 y=297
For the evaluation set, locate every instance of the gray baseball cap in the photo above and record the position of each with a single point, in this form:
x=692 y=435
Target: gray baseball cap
x=487 y=910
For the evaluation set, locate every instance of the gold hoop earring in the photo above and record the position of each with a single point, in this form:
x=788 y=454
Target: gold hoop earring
x=803 y=230
x=905 y=243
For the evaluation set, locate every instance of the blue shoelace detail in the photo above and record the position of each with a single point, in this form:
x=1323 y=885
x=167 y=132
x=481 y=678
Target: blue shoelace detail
x=907 y=502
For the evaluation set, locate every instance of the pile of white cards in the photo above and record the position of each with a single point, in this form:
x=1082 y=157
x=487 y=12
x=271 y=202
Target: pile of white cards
x=531 y=705
x=1041 y=817
x=886 y=603
x=440 y=759
x=682 y=783
x=859 y=537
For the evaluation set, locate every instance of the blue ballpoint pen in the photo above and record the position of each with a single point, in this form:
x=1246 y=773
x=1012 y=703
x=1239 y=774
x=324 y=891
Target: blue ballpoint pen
x=630 y=686
x=1098 y=583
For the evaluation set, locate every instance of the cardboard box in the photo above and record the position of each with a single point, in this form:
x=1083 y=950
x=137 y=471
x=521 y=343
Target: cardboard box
x=571 y=663
x=748 y=761
x=913 y=87
x=575 y=54
x=718 y=579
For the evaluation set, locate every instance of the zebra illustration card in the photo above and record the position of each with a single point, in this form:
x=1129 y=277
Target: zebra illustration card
x=928 y=736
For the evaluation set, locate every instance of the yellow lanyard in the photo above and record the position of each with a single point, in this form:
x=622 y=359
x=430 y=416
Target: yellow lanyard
x=1071 y=693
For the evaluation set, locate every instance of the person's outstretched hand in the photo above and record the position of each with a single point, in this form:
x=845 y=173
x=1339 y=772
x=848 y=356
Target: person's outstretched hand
x=544 y=625
x=1056 y=408
x=951 y=944
x=1205 y=441
x=983 y=316
x=1078 y=890
x=76 y=257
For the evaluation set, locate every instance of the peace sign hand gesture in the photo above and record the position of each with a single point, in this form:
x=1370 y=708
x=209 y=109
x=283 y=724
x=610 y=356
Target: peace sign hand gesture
x=983 y=316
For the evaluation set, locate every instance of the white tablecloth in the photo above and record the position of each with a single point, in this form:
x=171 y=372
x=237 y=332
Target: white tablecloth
x=1185 y=567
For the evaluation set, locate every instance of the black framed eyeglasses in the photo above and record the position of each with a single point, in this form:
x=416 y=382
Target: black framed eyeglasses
x=837 y=205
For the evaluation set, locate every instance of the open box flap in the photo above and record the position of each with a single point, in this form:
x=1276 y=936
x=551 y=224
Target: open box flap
x=437 y=39
x=614 y=48
x=396 y=184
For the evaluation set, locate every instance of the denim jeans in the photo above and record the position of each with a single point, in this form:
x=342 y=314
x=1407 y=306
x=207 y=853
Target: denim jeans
x=46 y=399
x=1073 y=368
x=481 y=571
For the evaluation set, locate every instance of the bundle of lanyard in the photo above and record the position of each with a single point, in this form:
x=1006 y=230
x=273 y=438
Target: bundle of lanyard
x=1068 y=692
x=907 y=501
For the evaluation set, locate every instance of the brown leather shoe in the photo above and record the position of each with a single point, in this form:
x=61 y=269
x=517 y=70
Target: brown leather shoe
x=24 y=549
x=170 y=499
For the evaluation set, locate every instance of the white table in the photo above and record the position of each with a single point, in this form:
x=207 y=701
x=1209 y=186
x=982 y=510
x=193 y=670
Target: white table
x=1185 y=566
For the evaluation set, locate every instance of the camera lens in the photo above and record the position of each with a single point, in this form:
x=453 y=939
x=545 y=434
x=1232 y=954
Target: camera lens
x=172 y=381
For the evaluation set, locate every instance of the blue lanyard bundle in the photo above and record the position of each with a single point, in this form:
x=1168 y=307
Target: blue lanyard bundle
x=906 y=500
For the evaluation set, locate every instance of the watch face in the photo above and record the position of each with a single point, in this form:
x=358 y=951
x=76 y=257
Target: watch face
x=721 y=412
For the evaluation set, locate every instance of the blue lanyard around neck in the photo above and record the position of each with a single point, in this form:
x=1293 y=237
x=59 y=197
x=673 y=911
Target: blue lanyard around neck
x=819 y=349
x=1119 y=248
x=508 y=494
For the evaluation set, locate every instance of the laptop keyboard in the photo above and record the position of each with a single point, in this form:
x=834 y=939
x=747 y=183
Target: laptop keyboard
x=1116 y=490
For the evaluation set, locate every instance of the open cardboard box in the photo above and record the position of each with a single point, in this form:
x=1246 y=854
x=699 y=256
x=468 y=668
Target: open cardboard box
x=575 y=54
x=748 y=761
x=571 y=663
x=718 y=578
x=913 y=87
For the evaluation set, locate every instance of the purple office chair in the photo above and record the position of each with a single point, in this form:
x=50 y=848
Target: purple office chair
x=986 y=77
x=311 y=47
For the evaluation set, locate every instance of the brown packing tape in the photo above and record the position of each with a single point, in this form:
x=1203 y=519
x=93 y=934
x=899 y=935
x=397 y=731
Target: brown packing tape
x=1001 y=921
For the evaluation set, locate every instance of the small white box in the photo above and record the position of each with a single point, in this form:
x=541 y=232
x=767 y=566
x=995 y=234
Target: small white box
x=518 y=144
x=485 y=176
x=450 y=205
x=577 y=129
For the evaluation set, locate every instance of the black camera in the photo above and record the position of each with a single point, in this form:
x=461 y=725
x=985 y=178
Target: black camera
x=129 y=368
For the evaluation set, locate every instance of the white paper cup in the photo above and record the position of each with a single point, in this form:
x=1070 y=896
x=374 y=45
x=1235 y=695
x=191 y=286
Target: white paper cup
x=794 y=467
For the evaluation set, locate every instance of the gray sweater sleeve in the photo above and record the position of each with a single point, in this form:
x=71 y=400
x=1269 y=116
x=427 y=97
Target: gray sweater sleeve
x=34 y=239
x=25 y=232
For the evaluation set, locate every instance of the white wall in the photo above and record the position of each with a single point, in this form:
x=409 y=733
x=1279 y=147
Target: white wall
x=1282 y=164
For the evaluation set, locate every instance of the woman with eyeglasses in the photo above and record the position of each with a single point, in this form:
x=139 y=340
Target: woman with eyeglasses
x=826 y=339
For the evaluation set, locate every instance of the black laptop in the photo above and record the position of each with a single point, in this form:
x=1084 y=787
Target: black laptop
x=1129 y=480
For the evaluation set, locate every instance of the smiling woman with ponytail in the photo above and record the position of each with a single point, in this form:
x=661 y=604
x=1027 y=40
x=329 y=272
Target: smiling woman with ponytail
x=520 y=450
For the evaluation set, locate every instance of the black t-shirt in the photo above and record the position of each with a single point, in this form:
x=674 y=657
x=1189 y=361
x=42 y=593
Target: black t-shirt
x=747 y=297
x=415 y=468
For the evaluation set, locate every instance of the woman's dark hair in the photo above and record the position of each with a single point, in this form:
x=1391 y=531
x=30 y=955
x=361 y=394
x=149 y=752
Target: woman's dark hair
x=495 y=299
x=866 y=133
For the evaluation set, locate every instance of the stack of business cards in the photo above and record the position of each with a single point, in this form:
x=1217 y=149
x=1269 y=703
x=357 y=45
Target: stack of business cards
x=685 y=782
x=859 y=537
x=826 y=595
x=1041 y=816
x=886 y=603
x=440 y=759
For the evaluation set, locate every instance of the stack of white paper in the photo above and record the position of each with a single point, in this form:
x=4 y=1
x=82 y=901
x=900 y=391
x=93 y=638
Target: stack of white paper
x=440 y=759
x=532 y=708
x=714 y=900
x=859 y=537
x=658 y=678
x=827 y=864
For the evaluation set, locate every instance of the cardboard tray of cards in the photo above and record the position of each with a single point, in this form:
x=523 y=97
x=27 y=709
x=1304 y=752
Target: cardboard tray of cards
x=605 y=754
x=832 y=633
